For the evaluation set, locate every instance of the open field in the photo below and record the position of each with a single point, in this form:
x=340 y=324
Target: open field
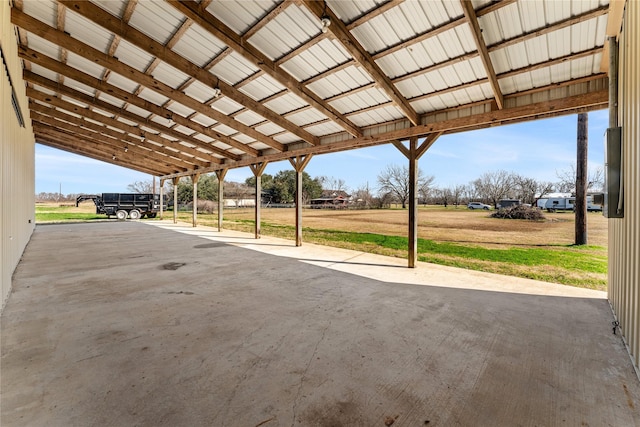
x=449 y=236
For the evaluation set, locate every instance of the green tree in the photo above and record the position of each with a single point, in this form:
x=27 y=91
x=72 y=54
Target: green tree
x=282 y=186
x=207 y=189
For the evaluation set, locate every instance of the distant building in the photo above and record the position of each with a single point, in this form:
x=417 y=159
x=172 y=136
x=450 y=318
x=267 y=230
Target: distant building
x=331 y=199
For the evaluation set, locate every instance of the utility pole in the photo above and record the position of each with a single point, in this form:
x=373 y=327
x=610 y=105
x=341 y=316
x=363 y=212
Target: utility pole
x=581 y=180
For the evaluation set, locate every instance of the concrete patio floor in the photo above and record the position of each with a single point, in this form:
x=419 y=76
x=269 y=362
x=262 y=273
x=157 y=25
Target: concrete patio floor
x=156 y=324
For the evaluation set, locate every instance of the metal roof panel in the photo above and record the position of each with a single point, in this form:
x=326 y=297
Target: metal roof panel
x=203 y=120
x=169 y=75
x=199 y=91
x=43 y=46
x=233 y=69
x=320 y=57
x=291 y=28
x=86 y=31
x=226 y=105
x=84 y=65
x=43 y=10
x=133 y=56
x=285 y=103
x=340 y=82
x=261 y=87
x=153 y=96
x=156 y=19
x=122 y=82
x=114 y=7
x=240 y=15
x=198 y=45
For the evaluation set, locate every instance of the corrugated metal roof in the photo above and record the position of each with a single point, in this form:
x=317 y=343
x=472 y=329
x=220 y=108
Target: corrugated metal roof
x=294 y=82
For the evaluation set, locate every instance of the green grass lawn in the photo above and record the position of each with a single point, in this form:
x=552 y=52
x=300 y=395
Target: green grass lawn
x=63 y=213
x=582 y=266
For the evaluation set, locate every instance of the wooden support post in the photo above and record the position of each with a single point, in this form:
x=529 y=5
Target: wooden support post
x=581 y=180
x=195 y=179
x=413 y=154
x=175 y=199
x=220 y=174
x=299 y=163
x=258 y=170
x=161 y=198
x=413 y=203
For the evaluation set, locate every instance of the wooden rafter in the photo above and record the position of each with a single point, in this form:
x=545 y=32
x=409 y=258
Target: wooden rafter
x=373 y=13
x=108 y=148
x=362 y=57
x=549 y=28
x=112 y=109
x=216 y=27
x=110 y=139
x=136 y=37
x=268 y=17
x=125 y=96
x=93 y=153
x=588 y=101
x=143 y=143
x=481 y=46
x=446 y=26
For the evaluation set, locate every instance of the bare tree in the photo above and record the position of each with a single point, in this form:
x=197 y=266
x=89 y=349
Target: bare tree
x=567 y=180
x=141 y=187
x=332 y=183
x=530 y=190
x=426 y=188
x=456 y=193
x=494 y=186
x=363 y=197
x=394 y=180
x=444 y=196
x=470 y=193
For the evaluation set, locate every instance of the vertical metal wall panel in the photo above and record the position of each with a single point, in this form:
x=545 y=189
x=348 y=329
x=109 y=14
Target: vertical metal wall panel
x=17 y=159
x=624 y=233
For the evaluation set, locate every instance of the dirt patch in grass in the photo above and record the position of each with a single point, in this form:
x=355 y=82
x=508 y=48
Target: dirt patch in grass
x=443 y=225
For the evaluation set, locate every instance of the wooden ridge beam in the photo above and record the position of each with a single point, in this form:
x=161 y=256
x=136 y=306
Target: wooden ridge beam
x=476 y=33
x=217 y=28
x=362 y=57
x=146 y=43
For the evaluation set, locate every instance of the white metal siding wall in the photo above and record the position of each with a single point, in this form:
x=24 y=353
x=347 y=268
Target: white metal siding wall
x=17 y=160
x=624 y=234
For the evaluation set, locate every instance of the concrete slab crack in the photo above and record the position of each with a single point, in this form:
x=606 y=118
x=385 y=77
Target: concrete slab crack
x=304 y=374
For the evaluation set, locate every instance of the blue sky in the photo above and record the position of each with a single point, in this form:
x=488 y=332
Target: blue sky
x=535 y=149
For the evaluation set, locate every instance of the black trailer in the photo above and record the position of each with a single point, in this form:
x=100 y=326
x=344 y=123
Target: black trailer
x=123 y=205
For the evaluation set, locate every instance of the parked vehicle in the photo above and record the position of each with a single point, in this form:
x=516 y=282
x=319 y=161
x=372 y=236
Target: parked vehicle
x=123 y=205
x=507 y=203
x=478 y=205
x=555 y=204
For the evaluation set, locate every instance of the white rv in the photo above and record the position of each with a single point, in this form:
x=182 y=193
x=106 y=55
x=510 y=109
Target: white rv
x=554 y=204
x=560 y=204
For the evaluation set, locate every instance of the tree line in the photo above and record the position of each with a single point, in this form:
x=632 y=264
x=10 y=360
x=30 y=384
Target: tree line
x=392 y=188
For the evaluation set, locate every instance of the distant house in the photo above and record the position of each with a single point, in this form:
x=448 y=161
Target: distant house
x=331 y=199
